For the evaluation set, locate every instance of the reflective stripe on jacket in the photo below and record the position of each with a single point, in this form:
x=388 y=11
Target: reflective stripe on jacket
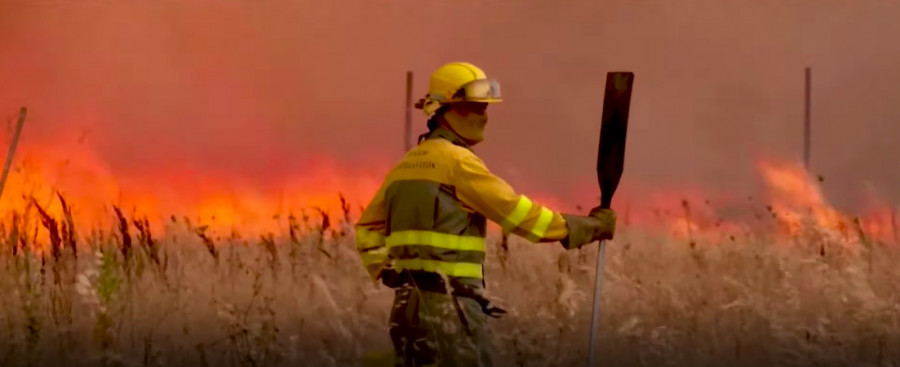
x=431 y=210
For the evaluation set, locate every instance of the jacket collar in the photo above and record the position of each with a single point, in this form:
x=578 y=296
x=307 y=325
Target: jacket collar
x=445 y=133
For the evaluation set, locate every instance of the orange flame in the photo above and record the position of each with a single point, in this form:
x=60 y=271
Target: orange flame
x=795 y=208
x=799 y=205
x=91 y=189
x=796 y=198
x=44 y=172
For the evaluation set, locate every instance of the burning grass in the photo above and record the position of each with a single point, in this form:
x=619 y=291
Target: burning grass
x=187 y=295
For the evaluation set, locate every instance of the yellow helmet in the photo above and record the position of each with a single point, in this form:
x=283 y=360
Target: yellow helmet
x=458 y=82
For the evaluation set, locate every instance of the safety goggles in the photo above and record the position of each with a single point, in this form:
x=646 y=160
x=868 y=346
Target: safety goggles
x=481 y=90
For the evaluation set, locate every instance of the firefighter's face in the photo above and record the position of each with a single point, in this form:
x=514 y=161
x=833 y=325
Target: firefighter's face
x=468 y=119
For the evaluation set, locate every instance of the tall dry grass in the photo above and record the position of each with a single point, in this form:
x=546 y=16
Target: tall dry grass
x=123 y=296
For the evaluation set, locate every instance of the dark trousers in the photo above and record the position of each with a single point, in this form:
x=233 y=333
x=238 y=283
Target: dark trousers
x=437 y=329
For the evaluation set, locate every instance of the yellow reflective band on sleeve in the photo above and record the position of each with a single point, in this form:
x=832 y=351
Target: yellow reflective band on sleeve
x=518 y=214
x=366 y=239
x=543 y=222
x=435 y=239
x=449 y=269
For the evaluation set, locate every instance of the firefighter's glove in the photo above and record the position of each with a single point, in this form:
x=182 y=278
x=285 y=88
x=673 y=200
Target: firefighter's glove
x=599 y=225
x=607 y=218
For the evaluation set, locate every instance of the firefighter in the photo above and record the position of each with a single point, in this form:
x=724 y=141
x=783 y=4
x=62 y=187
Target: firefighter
x=423 y=233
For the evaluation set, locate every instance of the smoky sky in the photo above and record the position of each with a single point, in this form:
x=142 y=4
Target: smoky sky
x=258 y=89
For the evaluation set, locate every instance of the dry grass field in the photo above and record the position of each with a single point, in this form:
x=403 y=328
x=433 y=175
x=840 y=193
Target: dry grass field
x=186 y=296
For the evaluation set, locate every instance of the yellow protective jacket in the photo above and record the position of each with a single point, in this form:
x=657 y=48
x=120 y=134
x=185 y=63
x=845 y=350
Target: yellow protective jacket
x=430 y=213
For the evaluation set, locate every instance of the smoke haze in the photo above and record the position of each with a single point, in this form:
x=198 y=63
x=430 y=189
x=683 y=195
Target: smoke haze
x=258 y=91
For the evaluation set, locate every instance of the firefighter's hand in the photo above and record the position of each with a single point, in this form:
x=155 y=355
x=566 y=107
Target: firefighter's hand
x=599 y=225
x=607 y=227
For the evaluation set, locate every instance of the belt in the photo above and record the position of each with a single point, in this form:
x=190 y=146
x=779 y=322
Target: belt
x=433 y=282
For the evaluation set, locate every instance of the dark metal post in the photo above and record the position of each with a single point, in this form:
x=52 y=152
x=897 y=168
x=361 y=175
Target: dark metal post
x=12 y=148
x=806 y=122
x=409 y=80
